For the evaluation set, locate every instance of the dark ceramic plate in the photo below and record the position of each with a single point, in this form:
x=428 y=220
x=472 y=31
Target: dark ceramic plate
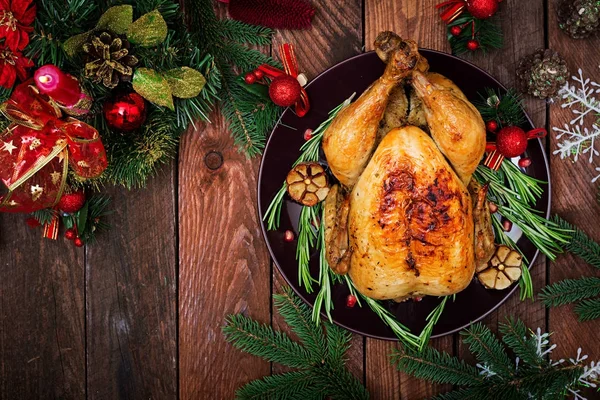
x=327 y=91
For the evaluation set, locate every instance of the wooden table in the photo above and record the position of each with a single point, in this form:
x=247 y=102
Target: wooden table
x=138 y=315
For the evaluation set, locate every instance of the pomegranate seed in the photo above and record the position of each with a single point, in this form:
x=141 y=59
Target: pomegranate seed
x=308 y=134
x=525 y=162
x=350 y=301
x=288 y=236
x=493 y=207
x=507 y=225
x=418 y=298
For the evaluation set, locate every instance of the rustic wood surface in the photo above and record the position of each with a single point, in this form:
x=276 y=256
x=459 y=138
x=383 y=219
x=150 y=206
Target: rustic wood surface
x=138 y=315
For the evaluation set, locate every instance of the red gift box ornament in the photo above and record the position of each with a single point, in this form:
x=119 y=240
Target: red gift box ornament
x=37 y=149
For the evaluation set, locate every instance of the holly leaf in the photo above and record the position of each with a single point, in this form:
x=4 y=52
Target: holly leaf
x=149 y=30
x=153 y=87
x=82 y=217
x=257 y=89
x=185 y=82
x=117 y=19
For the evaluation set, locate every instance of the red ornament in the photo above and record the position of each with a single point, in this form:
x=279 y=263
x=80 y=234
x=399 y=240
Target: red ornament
x=351 y=301
x=276 y=14
x=482 y=9
x=32 y=222
x=78 y=242
x=511 y=141
x=125 y=112
x=71 y=202
x=70 y=234
x=284 y=90
x=491 y=126
x=308 y=134
x=249 y=78
x=259 y=74
x=472 y=45
x=525 y=162
x=455 y=30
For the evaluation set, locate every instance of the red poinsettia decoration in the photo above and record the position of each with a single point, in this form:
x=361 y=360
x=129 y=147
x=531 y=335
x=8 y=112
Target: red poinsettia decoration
x=12 y=64
x=16 y=17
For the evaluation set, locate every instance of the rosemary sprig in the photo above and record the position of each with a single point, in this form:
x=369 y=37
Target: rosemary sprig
x=432 y=320
x=307 y=236
x=526 y=186
x=323 y=299
x=273 y=213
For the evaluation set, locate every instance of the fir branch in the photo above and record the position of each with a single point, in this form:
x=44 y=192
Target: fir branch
x=588 y=310
x=45 y=215
x=93 y=216
x=296 y=385
x=506 y=109
x=486 y=347
x=580 y=244
x=242 y=33
x=486 y=31
x=515 y=335
x=570 y=291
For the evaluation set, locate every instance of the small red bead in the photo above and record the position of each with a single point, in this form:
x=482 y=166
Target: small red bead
x=249 y=78
x=259 y=74
x=308 y=134
x=455 y=30
x=491 y=126
x=472 y=45
x=417 y=299
x=288 y=236
x=507 y=225
x=78 y=242
x=493 y=207
x=351 y=301
x=525 y=162
x=70 y=234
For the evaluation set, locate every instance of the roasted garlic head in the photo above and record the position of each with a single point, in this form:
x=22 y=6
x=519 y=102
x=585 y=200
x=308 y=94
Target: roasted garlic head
x=502 y=270
x=307 y=184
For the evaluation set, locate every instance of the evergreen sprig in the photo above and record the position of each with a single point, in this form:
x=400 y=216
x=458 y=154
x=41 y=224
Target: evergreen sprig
x=485 y=31
x=504 y=108
x=319 y=356
x=584 y=291
x=89 y=220
x=496 y=376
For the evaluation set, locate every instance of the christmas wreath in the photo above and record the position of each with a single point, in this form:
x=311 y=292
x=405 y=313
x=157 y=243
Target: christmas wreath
x=98 y=93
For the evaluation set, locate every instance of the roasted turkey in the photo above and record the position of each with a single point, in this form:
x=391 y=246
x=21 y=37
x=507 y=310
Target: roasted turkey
x=401 y=221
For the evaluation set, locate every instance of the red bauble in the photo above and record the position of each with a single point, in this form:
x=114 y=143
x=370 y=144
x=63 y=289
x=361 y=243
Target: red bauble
x=455 y=30
x=511 y=141
x=284 y=90
x=125 y=111
x=472 y=45
x=78 y=242
x=351 y=301
x=71 y=202
x=249 y=78
x=70 y=234
x=491 y=126
x=482 y=9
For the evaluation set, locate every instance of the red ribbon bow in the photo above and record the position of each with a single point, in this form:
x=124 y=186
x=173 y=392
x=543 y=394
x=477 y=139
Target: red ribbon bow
x=453 y=9
x=37 y=149
x=288 y=58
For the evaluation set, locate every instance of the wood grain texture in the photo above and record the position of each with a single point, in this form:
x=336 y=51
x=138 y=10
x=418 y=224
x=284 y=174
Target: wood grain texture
x=224 y=265
x=573 y=199
x=42 y=335
x=131 y=296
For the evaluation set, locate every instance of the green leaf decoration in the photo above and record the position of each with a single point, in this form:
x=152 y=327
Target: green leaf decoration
x=82 y=217
x=74 y=43
x=260 y=91
x=149 y=30
x=117 y=19
x=185 y=82
x=153 y=87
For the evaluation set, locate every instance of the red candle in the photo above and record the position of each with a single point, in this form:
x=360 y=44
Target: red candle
x=61 y=87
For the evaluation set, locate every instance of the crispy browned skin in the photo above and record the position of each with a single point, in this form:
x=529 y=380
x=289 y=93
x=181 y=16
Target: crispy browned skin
x=454 y=123
x=351 y=138
x=484 y=231
x=337 y=207
x=411 y=222
x=396 y=112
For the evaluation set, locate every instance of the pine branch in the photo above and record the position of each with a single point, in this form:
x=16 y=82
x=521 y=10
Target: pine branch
x=483 y=344
x=262 y=341
x=570 y=291
x=516 y=336
x=246 y=34
x=506 y=109
x=588 y=310
x=435 y=366
x=44 y=216
x=338 y=343
x=297 y=385
x=580 y=244
x=486 y=31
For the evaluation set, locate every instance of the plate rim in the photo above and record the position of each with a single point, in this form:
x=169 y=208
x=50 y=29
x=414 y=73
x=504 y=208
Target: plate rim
x=311 y=304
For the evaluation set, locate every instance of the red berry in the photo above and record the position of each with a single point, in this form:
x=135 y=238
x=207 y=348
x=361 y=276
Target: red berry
x=78 y=242
x=511 y=141
x=472 y=45
x=455 y=30
x=351 y=301
x=70 y=234
x=249 y=78
x=288 y=236
x=259 y=74
x=491 y=126
x=493 y=207
x=507 y=225
x=71 y=202
x=524 y=162
x=308 y=134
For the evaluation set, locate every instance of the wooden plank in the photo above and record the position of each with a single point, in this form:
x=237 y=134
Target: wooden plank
x=224 y=265
x=42 y=335
x=131 y=296
x=523 y=26
x=417 y=20
x=335 y=36
x=573 y=198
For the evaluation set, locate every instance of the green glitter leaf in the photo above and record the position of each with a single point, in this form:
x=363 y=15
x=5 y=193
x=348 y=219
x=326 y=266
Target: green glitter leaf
x=149 y=30
x=117 y=19
x=153 y=87
x=185 y=82
x=74 y=43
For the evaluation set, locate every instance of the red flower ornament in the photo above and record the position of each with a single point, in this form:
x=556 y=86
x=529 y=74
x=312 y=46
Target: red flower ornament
x=16 y=17
x=12 y=64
